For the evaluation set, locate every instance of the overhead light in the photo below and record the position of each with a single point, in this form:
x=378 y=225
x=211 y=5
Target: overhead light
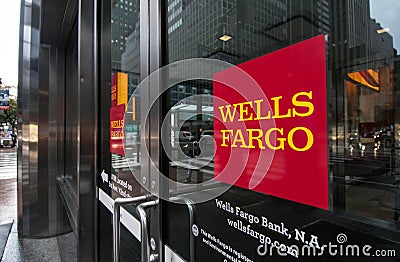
x=225 y=38
x=383 y=30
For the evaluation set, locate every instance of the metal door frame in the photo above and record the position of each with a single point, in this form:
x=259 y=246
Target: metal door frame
x=88 y=129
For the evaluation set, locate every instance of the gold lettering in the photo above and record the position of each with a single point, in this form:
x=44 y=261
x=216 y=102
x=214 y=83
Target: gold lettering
x=117 y=124
x=239 y=138
x=228 y=113
x=244 y=111
x=306 y=104
x=281 y=140
x=310 y=139
x=276 y=108
x=258 y=111
x=258 y=138
x=225 y=136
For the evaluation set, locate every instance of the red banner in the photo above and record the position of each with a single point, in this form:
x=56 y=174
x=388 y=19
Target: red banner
x=272 y=138
x=114 y=81
x=117 y=129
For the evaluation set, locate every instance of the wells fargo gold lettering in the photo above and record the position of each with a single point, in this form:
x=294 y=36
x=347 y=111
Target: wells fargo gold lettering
x=258 y=111
x=302 y=106
x=281 y=145
x=277 y=108
x=306 y=104
x=310 y=139
x=117 y=134
x=257 y=138
x=117 y=124
x=113 y=92
x=225 y=137
x=242 y=112
x=239 y=138
x=248 y=141
x=228 y=113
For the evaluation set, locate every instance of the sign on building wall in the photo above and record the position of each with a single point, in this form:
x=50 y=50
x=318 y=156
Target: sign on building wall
x=119 y=101
x=122 y=93
x=4 y=99
x=275 y=135
x=119 y=89
x=114 y=81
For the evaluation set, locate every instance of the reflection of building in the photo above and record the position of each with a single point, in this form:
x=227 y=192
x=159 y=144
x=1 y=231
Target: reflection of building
x=349 y=34
x=130 y=59
x=254 y=25
x=381 y=46
x=361 y=97
x=125 y=40
x=354 y=40
x=124 y=17
x=307 y=18
x=361 y=59
x=131 y=56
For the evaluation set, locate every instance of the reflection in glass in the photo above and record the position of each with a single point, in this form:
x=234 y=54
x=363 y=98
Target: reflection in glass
x=125 y=77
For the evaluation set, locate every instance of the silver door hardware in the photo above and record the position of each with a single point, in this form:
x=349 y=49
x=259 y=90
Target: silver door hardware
x=146 y=251
x=118 y=202
x=190 y=206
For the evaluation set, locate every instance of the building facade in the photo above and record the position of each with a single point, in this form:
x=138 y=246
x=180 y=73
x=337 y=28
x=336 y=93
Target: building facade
x=280 y=137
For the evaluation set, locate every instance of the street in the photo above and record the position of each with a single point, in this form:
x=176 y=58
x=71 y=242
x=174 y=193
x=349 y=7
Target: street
x=8 y=185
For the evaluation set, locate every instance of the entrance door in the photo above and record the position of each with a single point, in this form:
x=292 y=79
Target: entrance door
x=124 y=64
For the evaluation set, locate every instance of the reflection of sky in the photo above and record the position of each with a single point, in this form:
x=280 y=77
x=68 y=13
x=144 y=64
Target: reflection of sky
x=387 y=13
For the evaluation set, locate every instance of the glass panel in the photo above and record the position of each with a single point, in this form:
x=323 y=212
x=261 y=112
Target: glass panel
x=122 y=21
x=125 y=77
x=362 y=138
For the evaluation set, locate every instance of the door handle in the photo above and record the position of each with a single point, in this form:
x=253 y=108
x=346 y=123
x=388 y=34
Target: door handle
x=146 y=252
x=118 y=202
x=190 y=206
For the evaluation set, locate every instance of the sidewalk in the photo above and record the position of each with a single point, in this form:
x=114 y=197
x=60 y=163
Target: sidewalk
x=8 y=194
x=4 y=232
x=18 y=249
x=30 y=250
x=8 y=200
x=8 y=185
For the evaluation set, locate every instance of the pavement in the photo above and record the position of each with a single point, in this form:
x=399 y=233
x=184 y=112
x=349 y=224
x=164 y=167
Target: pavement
x=14 y=248
x=30 y=249
x=8 y=185
x=8 y=194
x=4 y=232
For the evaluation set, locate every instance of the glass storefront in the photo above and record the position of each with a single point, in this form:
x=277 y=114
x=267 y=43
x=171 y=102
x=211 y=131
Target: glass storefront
x=327 y=161
x=362 y=126
x=237 y=130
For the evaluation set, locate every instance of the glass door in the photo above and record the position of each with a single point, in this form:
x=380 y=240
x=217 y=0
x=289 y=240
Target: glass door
x=124 y=40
